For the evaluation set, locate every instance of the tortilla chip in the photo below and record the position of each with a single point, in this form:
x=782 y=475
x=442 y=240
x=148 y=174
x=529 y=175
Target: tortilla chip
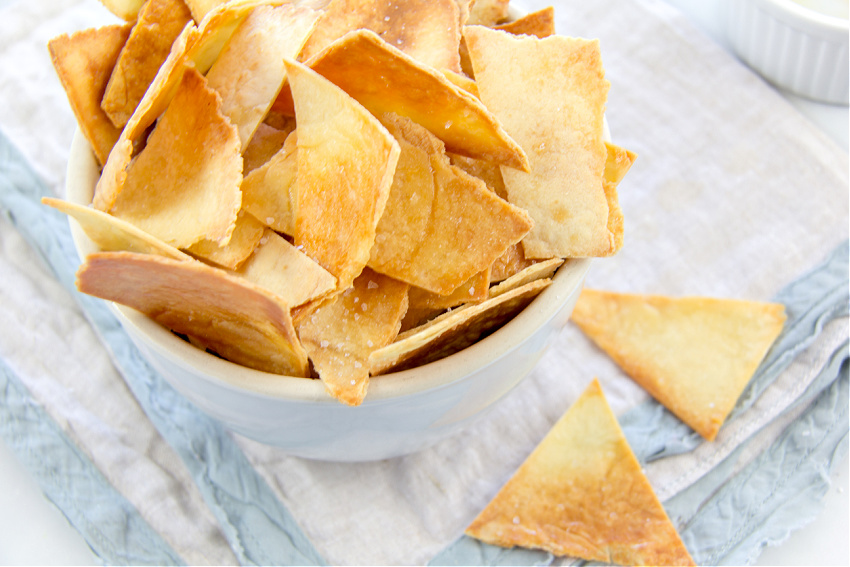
x=281 y=268
x=487 y=171
x=249 y=71
x=550 y=96
x=582 y=493
x=462 y=81
x=457 y=227
x=127 y=10
x=385 y=80
x=269 y=192
x=543 y=269
x=346 y=161
x=488 y=12
x=424 y=305
x=617 y=164
x=159 y=24
x=265 y=143
x=340 y=335
x=427 y=30
x=112 y=234
x=247 y=233
x=511 y=262
x=200 y=8
x=185 y=188
x=539 y=24
x=695 y=355
x=452 y=331
x=84 y=63
x=245 y=324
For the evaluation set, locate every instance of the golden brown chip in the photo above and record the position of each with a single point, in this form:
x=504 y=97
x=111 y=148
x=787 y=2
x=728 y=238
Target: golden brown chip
x=84 y=62
x=346 y=161
x=488 y=172
x=582 y=493
x=385 y=80
x=441 y=226
x=509 y=263
x=245 y=324
x=269 y=192
x=488 y=12
x=249 y=71
x=539 y=24
x=340 y=335
x=184 y=188
x=427 y=30
x=695 y=355
x=550 y=96
x=159 y=24
x=247 y=233
x=452 y=331
x=201 y=8
x=424 y=305
x=281 y=268
x=127 y=10
x=112 y=234
x=617 y=164
x=537 y=271
x=265 y=143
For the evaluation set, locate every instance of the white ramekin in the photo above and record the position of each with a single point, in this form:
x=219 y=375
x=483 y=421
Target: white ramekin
x=794 y=47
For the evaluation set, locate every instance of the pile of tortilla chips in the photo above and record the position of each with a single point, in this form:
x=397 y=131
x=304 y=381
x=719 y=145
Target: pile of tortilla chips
x=337 y=189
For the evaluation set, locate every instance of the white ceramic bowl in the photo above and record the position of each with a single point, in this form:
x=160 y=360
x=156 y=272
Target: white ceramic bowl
x=402 y=413
x=794 y=45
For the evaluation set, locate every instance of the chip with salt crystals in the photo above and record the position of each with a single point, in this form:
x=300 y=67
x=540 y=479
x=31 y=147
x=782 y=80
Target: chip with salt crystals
x=159 y=24
x=340 y=335
x=695 y=355
x=550 y=96
x=386 y=80
x=582 y=493
x=281 y=268
x=113 y=234
x=346 y=160
x=184 y=186
x=246 y=324
x=249 y=71
x=427 y=30
x=246 y=236
x=269 y=191
x=84 y=62
x=441 y=226
x=453 y=331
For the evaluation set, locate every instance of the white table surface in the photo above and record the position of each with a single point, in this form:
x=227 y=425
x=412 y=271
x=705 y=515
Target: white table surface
x=34 y=532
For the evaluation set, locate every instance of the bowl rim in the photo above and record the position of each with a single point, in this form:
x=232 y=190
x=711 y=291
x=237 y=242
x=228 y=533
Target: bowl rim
x=82 y=173
x=808 y=16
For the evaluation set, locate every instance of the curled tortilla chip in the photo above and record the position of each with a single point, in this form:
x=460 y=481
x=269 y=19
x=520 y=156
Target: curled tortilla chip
x=84 y=62
x=346 y=161
x=340 y=334
x=269 y=192
x=247 y=233
x=185 y=188
x=544 y=269
x=582 y=493
x=245 y=324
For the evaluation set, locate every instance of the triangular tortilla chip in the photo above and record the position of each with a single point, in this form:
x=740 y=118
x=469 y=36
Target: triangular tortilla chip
x=249 y=71
x=427 y=30
x=457 y=227
x=550 y=96
x=112 y=234
x=346 y=161
x=582 y=493
x=159 y=24
x=247 y=233
x=245 y=324
x=184 y=188
x=386 y=80
x=695 y=355
x=453 y=331
x=84 y=63
x=340 y=335
x=269 y=192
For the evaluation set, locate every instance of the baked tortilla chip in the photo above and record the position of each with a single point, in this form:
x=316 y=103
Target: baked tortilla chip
x=269 y=192
x=84 y=62
x=279 y=267
x=346 y=161
x=488 y=12
x=441 y=226
x=424 y=305
x=265 y=143
x=537 y=271
x=509 y=263
x=340 y=335
x=452 y=331
x=550 y=96
x=159 y=24
x=386 y=80
x=185 y=188
x=695 y=355
x=247 y=233
x=245 y=324
x=113 y=234
x=617 y=164
x=249 y=71
x=539 y=24
x=427 y=30
x=582 y=493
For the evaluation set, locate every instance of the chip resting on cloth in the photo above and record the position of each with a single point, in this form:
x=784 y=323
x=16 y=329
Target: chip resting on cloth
x=582 y=493
x=695 y=355
x=245 y=324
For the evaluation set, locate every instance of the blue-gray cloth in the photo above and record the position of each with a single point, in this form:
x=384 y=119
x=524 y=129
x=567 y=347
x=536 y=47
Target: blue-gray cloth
x=780 y=489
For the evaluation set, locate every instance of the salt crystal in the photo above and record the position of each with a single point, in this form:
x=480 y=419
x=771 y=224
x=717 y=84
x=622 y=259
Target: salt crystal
x=516 y=519
x=324 y=344
x=357 y=364
x=269 y=220
x=371 y=285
